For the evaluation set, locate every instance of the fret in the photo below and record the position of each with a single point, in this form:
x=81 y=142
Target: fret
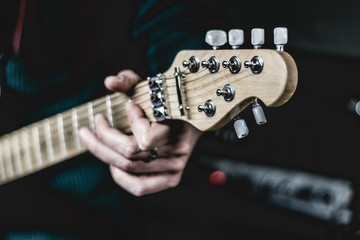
x=109 y=110
x=26 y=149
x=7 y=154
x=70 y=132
x=91 y=116
x=48 y=140
x=2 y=165
x=14 y=140
x=74 y=119
x=119 y=115
x=60 y=124
x=36 y=144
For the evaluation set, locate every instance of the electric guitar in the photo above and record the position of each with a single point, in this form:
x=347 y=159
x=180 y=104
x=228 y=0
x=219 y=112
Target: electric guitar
x=206 y=88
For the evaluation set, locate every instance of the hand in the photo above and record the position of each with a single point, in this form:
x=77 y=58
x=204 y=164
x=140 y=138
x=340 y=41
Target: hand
x=125 y=153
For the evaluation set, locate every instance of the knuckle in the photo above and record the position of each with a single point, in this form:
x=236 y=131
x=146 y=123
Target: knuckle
x=179 y=165
x=128 y=166
x=130 y=150
x=145 y=142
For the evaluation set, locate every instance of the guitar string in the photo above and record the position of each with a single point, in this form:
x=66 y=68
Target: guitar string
x=83 y=114
x=113 y=104
x=139 y=86
x=144 y=83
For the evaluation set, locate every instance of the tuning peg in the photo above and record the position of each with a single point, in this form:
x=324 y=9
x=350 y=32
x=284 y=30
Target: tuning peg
x=236 y=38
x=241 y=128
x=215 y=38
x=280 y=37
x=257 y=37
x=258 y=113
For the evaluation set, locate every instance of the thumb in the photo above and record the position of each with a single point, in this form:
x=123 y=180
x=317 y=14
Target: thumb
x=123 y=81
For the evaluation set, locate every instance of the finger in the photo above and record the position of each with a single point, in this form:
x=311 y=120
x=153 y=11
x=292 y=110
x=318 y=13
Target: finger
x=123 y=81
x=173 y=164
x=102 y=151
x=148 y=134
x=126 y=145
x=145 y=184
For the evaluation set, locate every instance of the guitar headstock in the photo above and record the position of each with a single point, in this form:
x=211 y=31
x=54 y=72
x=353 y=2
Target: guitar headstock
x=208 y=88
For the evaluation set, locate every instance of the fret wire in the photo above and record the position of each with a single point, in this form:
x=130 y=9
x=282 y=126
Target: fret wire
x=61 y=134
x=26 y=149
x=8 y=162
x=2 y=166
x=91 y=116
x=83 y=117
x=48 y=131
x=49 y=143
x=37 y=148
x=74 y=118
x=68 y=122
x=16 y=151
x=109 y=110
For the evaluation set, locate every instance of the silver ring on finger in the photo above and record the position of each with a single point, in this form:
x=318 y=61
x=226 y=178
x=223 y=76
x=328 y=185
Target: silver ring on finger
x=153 y=155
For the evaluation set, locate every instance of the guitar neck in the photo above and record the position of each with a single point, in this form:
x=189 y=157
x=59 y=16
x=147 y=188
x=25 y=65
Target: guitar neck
x=55 y=139
x=179 y=93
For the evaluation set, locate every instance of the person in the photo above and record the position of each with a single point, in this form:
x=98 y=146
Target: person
x=66 y=50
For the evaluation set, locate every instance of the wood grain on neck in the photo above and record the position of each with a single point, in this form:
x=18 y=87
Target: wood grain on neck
x=55 y=139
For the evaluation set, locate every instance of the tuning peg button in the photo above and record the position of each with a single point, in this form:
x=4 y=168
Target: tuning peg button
x=280 y=37
x=258 y=113
x=236 y=38
x=241 y=128
x=257 y=37
x=215 y=38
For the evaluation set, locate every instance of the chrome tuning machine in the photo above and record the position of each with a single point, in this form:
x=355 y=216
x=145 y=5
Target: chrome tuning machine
x=193 y=64
x=256 y=64
x=212 y=64
x=234 y=64
x=228 y=92
x=209 y=108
